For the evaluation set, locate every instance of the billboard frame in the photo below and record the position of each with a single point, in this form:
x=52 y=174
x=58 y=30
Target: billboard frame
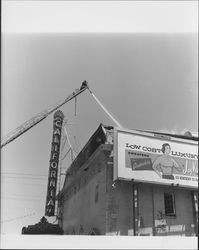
x=151 y=135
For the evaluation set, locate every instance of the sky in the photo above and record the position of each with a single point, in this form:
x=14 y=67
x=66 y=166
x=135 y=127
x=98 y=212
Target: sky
x=140 y=60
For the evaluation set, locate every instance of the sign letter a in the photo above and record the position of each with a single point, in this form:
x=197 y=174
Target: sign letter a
x=50 y=202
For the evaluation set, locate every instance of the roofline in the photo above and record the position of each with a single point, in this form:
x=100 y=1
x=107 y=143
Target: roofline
x=194 y=138
x=101 y=126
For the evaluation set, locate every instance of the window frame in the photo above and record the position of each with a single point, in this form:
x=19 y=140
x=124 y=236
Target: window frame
x=167 y=213
x=96 y=193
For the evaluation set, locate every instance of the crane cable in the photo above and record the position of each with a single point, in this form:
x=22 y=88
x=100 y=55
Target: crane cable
x=75 y=106
x=105 y=110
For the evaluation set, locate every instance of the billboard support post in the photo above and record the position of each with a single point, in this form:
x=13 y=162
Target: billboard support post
x=135 y=208
x=195 y=210
x=153 y=210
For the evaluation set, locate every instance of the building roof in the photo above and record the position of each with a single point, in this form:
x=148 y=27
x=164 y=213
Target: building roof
x=98 y=138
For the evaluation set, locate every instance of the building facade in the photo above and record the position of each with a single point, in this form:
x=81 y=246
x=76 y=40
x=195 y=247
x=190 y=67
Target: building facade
x=95 y=202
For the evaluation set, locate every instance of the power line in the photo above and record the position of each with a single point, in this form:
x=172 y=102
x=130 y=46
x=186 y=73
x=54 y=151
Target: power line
x=22 y=195
x=21 y=198
x=22 y=183
x=27 y=177
x=19 y=217
x=23 y=174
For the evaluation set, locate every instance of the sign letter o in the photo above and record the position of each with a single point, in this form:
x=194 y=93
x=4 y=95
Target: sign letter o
x=53 y=164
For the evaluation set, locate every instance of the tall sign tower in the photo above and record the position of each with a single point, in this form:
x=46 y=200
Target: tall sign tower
x=54 y=163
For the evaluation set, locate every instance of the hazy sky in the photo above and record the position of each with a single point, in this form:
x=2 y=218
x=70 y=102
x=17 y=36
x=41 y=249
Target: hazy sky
x=147 y=80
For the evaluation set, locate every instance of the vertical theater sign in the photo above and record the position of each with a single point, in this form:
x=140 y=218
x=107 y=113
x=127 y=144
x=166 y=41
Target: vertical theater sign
x=54 y=162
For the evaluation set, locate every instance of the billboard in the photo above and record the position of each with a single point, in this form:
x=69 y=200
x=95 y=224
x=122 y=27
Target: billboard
x=54 y=163
x=144 y=157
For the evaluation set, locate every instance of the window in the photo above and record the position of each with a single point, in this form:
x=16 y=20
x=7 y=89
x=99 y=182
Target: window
x=195 y=199
x=96 y=193
x=169 y=204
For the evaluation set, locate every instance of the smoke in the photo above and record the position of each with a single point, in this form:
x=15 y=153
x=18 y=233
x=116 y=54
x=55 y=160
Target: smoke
x=174 y=130
x=177 y=130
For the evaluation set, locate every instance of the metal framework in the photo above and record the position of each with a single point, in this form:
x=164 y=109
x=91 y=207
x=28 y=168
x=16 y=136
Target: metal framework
x=40 y=117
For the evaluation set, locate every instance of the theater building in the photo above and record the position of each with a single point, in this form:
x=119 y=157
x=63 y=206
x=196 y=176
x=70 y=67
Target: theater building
x=131 y=182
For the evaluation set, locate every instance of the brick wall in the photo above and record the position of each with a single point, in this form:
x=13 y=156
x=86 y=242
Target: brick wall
x=119 y=211
x=151 y=203
x=112 y=214
x=81 y=211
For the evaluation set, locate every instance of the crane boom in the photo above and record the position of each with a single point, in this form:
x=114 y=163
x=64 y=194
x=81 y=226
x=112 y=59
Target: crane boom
x=40 y=117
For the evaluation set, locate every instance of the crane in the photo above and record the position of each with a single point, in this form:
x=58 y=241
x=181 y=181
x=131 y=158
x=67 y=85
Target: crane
x=40 y=117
